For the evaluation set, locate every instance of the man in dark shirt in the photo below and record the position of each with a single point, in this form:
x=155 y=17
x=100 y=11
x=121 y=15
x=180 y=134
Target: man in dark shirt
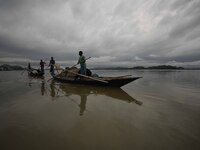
x=51 y=64
x=42 y=65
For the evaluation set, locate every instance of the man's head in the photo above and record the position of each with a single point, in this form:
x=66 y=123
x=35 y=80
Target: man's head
x=80 y=53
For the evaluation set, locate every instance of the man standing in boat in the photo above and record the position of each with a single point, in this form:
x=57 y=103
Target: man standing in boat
x=82 y=63
x=29 y=66
x=42 y=65
x=51 y=64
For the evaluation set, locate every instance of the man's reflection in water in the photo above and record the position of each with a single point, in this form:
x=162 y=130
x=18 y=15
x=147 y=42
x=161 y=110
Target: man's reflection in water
x=70 y=90
x=29 y=81
x=42 y=87
x=82 y=105
x=52 y=89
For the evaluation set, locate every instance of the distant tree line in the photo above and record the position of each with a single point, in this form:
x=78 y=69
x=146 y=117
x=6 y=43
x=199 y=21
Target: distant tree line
x=159 y=67
x=6 y=67
x=140 y=67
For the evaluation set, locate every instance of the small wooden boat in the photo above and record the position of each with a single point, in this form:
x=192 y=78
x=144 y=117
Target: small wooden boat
x=72 y=76
x=35 y=73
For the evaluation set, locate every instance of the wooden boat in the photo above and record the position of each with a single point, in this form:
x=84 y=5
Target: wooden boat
x=72 y=76
x=35 y=73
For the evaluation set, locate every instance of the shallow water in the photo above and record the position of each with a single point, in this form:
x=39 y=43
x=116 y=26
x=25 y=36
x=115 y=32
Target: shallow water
x=159 y=111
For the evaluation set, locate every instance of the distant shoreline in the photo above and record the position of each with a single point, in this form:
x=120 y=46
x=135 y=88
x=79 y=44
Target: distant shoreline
x=141 y=69
x=6 y=67
x=160 y=67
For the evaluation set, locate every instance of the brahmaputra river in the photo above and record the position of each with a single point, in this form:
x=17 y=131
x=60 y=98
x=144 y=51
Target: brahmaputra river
x=160 y=111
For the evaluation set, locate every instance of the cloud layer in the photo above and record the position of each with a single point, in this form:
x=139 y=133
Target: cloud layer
x=114 y=33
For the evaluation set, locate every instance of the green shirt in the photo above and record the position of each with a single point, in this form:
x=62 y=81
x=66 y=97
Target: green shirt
x=81 y=60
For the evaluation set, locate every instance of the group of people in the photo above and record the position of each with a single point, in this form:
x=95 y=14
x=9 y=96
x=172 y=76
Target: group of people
x=81 y=61
x=51 y=65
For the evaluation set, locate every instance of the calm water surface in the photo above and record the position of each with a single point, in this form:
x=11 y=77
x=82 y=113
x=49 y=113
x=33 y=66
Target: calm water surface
x=159 y=111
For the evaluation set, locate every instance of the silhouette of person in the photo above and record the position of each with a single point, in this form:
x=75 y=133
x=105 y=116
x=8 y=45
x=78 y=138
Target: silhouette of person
x=82 y=63
x=42 y=65
x=29 y=66
x=51 y=64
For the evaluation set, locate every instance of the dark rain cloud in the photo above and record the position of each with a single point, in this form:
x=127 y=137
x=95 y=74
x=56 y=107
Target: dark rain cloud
x=189 y=21
x=112 y=32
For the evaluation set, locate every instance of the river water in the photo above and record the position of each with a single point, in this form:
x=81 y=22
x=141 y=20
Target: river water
x=159 y=111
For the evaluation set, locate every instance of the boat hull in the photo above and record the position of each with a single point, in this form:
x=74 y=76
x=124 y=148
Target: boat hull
x=36 y=74
x=111 y=81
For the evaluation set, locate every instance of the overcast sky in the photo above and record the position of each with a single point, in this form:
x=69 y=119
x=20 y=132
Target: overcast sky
x=123 y=33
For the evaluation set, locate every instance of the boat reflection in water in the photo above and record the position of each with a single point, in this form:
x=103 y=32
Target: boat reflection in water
x=67 y=90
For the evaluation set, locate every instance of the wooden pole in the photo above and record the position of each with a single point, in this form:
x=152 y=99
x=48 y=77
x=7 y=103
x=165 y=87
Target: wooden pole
x=88 y=77
x=124 y=76
x=77 y=64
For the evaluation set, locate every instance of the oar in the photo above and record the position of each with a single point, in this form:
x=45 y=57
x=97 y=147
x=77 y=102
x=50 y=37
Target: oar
x=49 y=79
x=124 y=76
x=23 y=71
x=88 y=77
x=138 y=102
x=77 y=64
